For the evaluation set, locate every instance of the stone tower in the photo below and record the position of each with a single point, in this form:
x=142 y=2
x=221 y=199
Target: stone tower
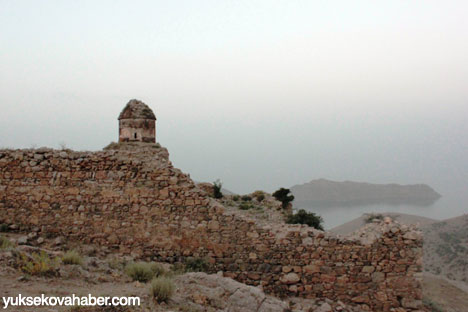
x=137 y=123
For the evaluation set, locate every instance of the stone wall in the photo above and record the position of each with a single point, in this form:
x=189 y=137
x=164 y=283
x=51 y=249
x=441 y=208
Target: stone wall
x=131 y=200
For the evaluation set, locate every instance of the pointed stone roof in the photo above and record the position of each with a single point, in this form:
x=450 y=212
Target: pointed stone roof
x=136 y=109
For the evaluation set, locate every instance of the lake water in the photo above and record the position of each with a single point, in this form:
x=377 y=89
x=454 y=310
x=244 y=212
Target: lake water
x=452 y=204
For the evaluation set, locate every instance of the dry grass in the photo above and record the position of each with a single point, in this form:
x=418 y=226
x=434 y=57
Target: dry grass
x=5 y=243
x=39 y=264
x=162 y=288
x=72 y=257
x=144 y=271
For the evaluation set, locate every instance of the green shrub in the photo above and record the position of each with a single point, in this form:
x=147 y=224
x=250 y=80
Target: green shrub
x=72 y=257
x=235 y=198
x=157 y=268
x=178 y=268
x=144 y=271
x=304 y=217
x=4 y=227
x=39 y=264
x=189 y=265
x=196 y=265
x=283 y=196
x=217 y=185
x=246 y=198
x=162 y=288
x=140 y=271
x=5 y=243
x=259 y=195
x=245 y=206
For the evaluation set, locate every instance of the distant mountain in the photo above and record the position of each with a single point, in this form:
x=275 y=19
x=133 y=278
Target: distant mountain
x=325 y=193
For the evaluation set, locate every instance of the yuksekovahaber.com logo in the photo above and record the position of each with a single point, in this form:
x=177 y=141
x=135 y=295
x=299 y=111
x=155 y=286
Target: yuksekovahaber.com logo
x=72 y=300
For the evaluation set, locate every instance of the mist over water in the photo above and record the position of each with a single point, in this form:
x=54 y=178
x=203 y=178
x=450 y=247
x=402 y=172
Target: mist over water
x=450 y=205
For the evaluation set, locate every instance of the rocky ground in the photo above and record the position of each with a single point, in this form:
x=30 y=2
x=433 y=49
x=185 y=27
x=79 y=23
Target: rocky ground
x=446 y=248
x=261 y=206
x=442 y=295
x=355 y=224
x=445 y=261
x=104 y=275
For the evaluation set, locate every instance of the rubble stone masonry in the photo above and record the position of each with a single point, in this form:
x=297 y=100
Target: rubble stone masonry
x=132 y=200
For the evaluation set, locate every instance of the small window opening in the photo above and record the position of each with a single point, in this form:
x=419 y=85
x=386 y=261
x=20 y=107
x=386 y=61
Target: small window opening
x=135 y=136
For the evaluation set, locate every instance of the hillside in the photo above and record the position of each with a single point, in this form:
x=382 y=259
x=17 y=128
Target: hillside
x=355 y=224
x=441 y=295
x=446 y=248
x=445 y=243
x=326 y=193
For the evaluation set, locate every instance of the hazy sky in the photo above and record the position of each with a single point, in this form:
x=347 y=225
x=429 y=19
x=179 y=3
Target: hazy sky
x=260 y=94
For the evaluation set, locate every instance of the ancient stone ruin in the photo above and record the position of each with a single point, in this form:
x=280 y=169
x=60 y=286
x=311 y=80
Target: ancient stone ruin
x=137 y=123
x=129 y=199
